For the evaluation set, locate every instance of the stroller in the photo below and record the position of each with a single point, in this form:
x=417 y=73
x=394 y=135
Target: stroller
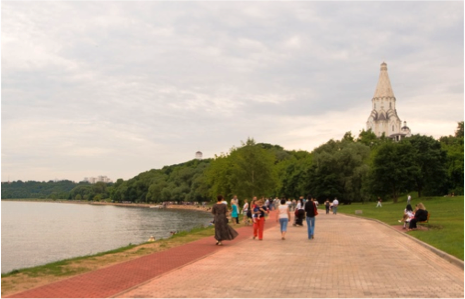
x=299 y=217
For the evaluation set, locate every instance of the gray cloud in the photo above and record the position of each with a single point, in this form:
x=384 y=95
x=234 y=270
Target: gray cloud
x=117 y=88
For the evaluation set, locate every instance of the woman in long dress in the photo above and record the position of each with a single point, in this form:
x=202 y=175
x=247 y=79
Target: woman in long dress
x=222 y=230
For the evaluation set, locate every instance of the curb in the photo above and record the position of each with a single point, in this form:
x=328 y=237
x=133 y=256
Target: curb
x=451 y=259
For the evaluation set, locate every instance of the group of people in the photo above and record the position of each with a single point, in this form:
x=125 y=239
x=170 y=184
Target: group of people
x=412 y=217
x=331 y=206
x=256 y=212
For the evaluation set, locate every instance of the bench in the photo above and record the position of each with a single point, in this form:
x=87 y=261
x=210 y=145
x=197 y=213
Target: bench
x=427 y=219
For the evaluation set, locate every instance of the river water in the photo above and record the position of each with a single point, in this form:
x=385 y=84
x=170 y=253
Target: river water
x=37 y=233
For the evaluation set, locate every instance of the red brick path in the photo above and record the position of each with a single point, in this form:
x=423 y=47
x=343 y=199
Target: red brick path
x=114 y=279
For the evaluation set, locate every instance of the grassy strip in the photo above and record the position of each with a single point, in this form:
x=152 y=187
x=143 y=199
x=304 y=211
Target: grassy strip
x=58 y=268
x=27 y=278
x=445 y=227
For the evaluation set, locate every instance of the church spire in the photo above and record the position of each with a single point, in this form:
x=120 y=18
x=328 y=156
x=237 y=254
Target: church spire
x=383 y=89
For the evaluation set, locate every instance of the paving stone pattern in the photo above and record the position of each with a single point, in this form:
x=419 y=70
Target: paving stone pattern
x=349 y=257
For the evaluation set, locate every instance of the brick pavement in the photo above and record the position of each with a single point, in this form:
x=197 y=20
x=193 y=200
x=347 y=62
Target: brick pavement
x=349 y=257
x=114 y=279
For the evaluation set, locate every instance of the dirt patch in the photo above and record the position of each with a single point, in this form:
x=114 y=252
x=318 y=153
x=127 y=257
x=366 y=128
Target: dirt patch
x=419 y=227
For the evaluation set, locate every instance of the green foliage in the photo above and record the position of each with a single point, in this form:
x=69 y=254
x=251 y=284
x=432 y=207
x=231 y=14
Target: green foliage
x=41 y=190
x=453 y=145
x=293 y=174
x=181 y=182
x=459 y=131
x=252 y=171
x=429 y=161
x=339 y=170
x=352 y=169
x=392 y=170
x=246 y=172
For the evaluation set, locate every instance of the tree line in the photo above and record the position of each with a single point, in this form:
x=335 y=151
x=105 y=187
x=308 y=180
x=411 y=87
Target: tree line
x=353 y=169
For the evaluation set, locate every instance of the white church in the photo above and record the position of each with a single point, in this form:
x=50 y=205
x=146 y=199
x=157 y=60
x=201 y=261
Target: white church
x=383 y=117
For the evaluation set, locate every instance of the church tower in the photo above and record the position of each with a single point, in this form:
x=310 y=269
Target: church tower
x=383 y=117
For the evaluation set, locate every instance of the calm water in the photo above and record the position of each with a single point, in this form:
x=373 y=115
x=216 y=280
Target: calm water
x=37 y=233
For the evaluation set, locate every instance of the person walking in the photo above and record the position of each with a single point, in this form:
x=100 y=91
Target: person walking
x=222 y=230
x=289 y=203
x=327 y=204
x=234 y=211
x=245 y=209
x=299 y=213
x=379 y=205
x=259 y=222
x=335 y=204
x=283 y=216
x=311 y=211
x=409 y=198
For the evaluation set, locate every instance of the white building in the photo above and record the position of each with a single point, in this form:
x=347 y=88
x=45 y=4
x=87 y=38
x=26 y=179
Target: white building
x=198 y=155
x=100 y=178
x=383 y=117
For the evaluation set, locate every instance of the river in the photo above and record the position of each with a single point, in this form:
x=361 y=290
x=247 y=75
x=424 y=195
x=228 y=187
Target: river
x=37 y=233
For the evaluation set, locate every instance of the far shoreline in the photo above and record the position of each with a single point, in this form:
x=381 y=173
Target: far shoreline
x=138 y=205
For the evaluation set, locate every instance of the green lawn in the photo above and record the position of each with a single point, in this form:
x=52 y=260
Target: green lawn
x=446 y=224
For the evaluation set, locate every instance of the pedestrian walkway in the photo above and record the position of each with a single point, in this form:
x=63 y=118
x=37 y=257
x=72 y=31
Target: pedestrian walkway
x=349 y=257
x=114 y=279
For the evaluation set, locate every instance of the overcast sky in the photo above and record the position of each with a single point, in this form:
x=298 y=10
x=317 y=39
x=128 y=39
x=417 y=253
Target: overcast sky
x=119 y=88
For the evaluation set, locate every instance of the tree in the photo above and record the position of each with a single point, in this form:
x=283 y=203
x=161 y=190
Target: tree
x=459 y=131
x=429 y=160
x=339 y=170
x=293 y=174
x=392 y=169
x=252 y=172
x=247 y=171
x=217 y=176
x=453 y=146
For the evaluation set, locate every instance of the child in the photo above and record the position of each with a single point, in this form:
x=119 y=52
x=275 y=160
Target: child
x=408 y=215
x=256 y=214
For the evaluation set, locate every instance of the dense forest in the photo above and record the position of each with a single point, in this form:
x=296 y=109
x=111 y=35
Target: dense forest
x=353 y=169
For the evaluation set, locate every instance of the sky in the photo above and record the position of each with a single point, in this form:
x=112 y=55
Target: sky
x=109 y=88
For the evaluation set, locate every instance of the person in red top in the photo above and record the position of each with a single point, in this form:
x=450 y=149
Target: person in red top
x=259 y=222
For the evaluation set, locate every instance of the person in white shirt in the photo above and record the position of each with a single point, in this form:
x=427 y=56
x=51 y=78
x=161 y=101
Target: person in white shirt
x=289 y=204
x=283 y=216
x=245 y=209
x=335 y=204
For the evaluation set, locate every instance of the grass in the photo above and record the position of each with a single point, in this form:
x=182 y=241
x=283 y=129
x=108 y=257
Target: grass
x=60 y=268
x=27 y=278
x=445 y=227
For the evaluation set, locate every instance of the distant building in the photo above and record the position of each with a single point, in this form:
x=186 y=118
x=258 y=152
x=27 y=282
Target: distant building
x=198 y=155
x=100 y=178
x=383 y=117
